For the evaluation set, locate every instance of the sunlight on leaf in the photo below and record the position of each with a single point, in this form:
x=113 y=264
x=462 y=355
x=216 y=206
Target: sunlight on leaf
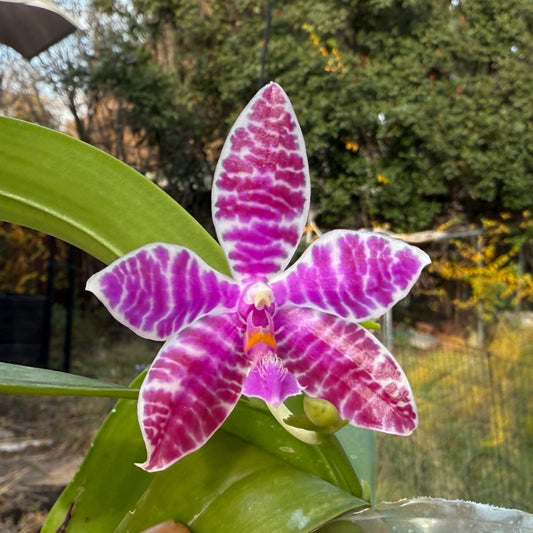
x=66 y=188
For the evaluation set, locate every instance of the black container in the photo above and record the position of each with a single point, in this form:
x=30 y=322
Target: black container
x=22 y=323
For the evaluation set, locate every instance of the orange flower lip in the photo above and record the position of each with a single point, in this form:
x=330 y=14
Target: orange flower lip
x=260 y=336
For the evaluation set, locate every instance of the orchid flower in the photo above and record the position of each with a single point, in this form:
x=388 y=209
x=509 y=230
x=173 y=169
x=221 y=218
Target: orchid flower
x=267 y=331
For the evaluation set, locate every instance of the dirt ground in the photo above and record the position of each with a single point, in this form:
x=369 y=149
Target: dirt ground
x=42 y=443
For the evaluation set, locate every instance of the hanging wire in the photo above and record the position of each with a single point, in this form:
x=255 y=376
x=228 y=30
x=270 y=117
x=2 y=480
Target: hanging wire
x=266 y=38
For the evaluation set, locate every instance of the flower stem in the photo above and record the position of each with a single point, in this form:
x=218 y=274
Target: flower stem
x=281 y=413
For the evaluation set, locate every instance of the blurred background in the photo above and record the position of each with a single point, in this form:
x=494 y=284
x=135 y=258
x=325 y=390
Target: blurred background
x=418 y=120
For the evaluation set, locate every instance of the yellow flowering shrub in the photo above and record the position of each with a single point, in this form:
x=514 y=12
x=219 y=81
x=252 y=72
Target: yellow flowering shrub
x=491 y=266
x=24 y=256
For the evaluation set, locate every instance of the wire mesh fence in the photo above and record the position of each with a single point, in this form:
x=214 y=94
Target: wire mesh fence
x=475 y=439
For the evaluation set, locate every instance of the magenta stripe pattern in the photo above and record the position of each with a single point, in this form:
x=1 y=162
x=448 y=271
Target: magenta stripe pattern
x=160 y=288
x=356 y=275
x=261 y=188
x=192 y=386
x=343 y=363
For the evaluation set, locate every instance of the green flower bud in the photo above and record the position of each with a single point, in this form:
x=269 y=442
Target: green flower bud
x=323 y=414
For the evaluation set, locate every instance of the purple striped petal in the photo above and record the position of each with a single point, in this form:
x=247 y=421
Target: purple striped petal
x=157 y=289
x=357 y=275
x=191 y=388
x=261 y=190
x=343 y=363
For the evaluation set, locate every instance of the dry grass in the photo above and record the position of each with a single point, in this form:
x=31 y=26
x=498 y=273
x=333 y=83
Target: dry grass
x=60 y=429
x=475 y=439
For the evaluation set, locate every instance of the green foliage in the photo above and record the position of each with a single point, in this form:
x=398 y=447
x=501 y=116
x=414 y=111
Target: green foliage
x=17 y=379
x=57 y=184
x=61 y=186
x=225 y=482
x=410 y=110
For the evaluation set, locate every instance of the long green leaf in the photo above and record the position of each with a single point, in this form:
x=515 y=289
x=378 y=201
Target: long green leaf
x=249 y=421
x=232 y=486
x=64 y=187
x=229 y=481
x=18 y=379
x=254 y=423
x=359 y=445
x=107 y=484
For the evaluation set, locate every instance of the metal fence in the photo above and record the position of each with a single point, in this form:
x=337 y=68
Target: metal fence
x=475 y=439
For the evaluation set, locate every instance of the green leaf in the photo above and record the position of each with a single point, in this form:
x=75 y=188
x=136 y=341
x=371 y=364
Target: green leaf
x=18 y=379
x=64 y=187
x=230 y=481
x=360 y=447
x=233 y=486
x=251 y=421
x=108 y=483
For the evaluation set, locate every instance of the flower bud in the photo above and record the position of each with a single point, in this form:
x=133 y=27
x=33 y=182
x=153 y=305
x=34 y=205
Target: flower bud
x=323 y=414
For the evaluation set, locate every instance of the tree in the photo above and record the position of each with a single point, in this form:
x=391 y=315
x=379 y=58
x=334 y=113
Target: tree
x=20 y=93
x=412 y=111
